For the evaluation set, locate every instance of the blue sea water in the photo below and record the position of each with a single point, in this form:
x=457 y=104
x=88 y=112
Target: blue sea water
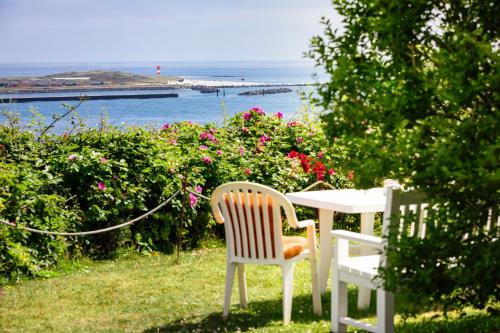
x=190 y=105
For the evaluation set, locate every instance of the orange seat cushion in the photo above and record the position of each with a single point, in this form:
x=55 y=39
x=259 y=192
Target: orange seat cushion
x=293 y=245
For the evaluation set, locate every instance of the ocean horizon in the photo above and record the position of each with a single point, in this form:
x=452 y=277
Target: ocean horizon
x=189 y=105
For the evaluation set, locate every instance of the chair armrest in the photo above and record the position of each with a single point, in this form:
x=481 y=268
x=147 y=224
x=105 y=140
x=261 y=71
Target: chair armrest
x=306 y=223
x=357 y=237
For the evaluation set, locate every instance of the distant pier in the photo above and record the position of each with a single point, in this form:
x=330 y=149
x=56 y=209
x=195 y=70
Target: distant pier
x=85 y=98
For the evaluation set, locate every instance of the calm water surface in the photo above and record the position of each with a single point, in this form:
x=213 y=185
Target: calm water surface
x=190 y=105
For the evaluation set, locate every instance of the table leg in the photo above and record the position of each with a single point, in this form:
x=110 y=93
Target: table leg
x=325 y=247
x=367 y=221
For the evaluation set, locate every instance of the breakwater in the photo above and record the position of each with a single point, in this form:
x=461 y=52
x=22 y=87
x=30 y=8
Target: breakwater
x=84 y=97
x=266 y=91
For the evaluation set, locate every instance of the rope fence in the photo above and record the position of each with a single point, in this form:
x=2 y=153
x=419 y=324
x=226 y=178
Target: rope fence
x=93 y=232
x=118 y=226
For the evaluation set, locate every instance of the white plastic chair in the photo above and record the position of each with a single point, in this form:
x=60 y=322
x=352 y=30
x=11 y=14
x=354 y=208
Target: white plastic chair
x=362 y=270
x=254 y=236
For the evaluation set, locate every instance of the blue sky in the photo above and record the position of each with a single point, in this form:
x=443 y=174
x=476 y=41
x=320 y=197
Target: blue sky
x=166 y=30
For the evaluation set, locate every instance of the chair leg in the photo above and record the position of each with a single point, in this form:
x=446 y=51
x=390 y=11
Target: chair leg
x=315 y=287
x=230 y=269
x=385 y=311
x=242 y=285
x=338 y=301
x=288 y=269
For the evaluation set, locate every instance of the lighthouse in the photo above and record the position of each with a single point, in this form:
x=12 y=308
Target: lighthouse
x=157 y=70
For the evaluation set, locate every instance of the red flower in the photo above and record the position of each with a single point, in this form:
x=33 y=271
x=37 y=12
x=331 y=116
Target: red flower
x=248 y=172
x=350 y=175
x=319 y=169
x=292 y=154
x=331 y=171
x=305 y=162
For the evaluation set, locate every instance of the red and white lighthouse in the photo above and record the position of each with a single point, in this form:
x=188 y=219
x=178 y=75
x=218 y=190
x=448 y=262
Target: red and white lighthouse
x=157 y=70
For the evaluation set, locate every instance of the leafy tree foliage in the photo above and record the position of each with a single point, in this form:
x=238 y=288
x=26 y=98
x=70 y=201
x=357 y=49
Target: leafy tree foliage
x=413 y=95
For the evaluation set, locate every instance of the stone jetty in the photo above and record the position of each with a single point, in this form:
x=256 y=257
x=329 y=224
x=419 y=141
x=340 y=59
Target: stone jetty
x=281 y=90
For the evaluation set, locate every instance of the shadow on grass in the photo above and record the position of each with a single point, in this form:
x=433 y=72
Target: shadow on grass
x=269 y=313
x=257 y=314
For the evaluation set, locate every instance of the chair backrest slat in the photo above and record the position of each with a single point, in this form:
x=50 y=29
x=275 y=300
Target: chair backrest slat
x=258 y=226
x=243 y=225
x=250 y=224
x=408 y=211
x=224 y=208
x=267 y=228
x=235 y=223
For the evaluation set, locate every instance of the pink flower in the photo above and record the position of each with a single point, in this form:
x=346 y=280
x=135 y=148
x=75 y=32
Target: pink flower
x=247 y=116
x=350 y=175
x=203 y=147
x=103 y=160
x=331 y=171
x=264 y=138
x=242 y=150
x=198 y=189
x=115 y=177
x=218 y=152
x=193 y=200
x=293 y=124
x=206 y=160
x=207 y=135
x=172 y=142
x=279 y=115
x=248 y=172
x=258 y=110
x=370 y=130
x=72 y=157
x=321 y=154
x=245 y=130
x=101 y=186
x=212 y=130
x=165 y=127
x=299 y=140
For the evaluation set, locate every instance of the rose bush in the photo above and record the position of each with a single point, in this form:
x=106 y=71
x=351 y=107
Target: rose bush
x=96 y=178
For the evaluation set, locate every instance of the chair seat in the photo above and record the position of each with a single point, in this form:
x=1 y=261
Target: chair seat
x=293 y=245
x=365 y=266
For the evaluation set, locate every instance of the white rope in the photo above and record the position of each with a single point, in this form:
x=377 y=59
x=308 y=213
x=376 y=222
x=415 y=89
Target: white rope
x=92 y=232
x=198 y=194
x=316 y=184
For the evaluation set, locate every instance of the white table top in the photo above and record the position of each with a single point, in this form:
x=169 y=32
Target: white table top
x=344 y=200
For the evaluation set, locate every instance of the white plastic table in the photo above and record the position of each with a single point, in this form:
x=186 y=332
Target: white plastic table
x=364 y=202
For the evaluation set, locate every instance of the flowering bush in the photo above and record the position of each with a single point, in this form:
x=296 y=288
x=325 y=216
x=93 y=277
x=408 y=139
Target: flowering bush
x=98 y=178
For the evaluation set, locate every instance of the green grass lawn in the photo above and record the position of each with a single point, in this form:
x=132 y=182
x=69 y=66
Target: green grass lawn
x=154 y=294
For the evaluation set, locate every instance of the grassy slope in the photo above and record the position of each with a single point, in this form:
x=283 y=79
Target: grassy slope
x=153 y=294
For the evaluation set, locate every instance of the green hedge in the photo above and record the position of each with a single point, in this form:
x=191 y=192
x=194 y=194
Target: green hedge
x=95 y=178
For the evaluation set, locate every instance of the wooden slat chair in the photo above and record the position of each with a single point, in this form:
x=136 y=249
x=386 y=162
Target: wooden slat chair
x=362 y=270
x=251 y=214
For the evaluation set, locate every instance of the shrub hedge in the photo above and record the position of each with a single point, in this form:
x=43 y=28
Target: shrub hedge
x=95 y=178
